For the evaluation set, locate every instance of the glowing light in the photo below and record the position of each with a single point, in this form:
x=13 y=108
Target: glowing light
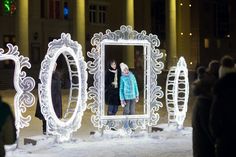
x=22 y=84
x=190 y=5
x=191 y=63
x=190 y=34
x=9 y=6
x=152 y=67
x=72 y=52
x=228 y=36
x=66 y=11
x=181 y=4
x=177 y=93
x=181 y=33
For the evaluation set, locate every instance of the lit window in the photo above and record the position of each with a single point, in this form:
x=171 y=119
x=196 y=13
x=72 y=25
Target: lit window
x=206 y=43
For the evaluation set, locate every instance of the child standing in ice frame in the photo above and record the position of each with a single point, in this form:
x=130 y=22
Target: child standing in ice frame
x=128 y=92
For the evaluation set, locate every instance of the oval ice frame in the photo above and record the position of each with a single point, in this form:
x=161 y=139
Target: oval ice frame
x=128 y=37
x=22 y=84
x=176 y=110
x=72 y=52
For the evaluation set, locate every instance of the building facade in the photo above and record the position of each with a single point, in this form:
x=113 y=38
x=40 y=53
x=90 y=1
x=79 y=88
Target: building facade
x=199 y=30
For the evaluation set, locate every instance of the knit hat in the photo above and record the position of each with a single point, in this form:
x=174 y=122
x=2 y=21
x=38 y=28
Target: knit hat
x=225 y=70
x=123 y=66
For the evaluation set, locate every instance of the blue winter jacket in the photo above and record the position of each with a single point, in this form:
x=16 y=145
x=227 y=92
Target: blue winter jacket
x=128 y=87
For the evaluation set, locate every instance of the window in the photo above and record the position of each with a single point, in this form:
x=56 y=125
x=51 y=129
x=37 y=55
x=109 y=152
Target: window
x=97 y=13
x=102 y=14
x=92 y=13
x=206 y=43
x=54 y=9
x=42 y=5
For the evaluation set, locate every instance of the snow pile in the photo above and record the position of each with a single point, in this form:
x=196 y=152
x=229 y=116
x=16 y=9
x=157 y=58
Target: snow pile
x=167 y=143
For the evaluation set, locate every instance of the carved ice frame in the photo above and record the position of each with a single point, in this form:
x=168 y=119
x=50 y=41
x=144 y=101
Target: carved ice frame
x=22 y=84
x=175 y=103
x=152 y=67
x=72 y=52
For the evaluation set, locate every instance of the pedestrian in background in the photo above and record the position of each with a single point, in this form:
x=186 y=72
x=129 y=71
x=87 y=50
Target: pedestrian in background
x=56 y=100
x=7 y=127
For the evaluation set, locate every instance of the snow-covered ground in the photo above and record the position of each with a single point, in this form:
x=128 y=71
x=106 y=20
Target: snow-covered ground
x=167 y=143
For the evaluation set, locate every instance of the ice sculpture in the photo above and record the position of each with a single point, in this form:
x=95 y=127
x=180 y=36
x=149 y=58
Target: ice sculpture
x=152 y=67
x=72 y=51
x=22 y=84
x=177 y=93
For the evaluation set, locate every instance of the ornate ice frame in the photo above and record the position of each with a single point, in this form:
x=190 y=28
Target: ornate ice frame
x=22 y=84
x=77 y=67
x=175 y=103
x=128 y=37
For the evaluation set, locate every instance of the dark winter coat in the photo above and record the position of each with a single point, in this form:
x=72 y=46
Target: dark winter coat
x=203 y=141
x=56 y=97
x=111 y=93
x=7 y=127
x=222 y=115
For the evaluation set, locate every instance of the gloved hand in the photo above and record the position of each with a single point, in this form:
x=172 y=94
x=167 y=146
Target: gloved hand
x=137 y=99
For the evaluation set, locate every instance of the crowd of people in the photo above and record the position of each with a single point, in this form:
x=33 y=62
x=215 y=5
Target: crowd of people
x=213 y=119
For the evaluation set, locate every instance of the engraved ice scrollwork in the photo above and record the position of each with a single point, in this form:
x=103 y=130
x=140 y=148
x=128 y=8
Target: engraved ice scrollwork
x=23 y=85
x=72 y=52
x=177 y=93
x=153 y=66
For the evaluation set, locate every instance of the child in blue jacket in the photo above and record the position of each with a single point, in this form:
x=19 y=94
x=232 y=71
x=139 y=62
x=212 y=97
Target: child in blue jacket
x=128 y=91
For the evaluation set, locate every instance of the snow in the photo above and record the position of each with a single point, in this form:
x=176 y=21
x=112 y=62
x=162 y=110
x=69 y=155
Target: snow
x=170 y=142
x=167 y=143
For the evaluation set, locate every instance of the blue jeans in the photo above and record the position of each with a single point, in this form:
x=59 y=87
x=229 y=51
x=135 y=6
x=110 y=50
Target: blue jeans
x=129 y=109
x=112 y=109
